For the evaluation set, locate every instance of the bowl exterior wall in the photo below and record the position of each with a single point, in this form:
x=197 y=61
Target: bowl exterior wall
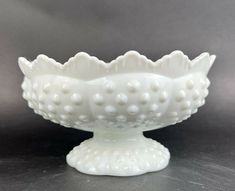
x=142 y=101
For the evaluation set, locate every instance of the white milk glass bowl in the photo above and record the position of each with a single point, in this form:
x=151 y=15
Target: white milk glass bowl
x=117 y=101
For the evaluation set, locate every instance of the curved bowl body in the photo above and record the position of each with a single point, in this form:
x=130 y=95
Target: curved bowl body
x=130 y=93
x=141 y=101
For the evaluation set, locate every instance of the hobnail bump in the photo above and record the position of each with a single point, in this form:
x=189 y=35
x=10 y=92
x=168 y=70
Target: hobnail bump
x=117 y=101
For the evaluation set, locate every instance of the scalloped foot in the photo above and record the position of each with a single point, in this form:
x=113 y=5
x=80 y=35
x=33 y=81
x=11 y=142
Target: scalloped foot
x=119 y=155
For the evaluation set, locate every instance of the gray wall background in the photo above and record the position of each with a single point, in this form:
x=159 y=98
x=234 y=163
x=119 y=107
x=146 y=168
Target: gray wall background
x=107 y=29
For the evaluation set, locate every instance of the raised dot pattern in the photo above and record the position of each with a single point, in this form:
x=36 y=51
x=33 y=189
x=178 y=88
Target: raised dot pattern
x=189 y=95
x=136 y=103
x=129 y=103
x=59 y=102
x=89 y=157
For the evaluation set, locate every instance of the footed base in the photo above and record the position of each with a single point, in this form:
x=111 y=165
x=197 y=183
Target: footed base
x=118 y=155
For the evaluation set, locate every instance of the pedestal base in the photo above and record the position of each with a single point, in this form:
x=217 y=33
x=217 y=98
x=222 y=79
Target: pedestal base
x=118 y=155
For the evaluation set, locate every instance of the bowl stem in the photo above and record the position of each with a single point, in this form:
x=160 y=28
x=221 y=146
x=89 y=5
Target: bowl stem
x=118 y=154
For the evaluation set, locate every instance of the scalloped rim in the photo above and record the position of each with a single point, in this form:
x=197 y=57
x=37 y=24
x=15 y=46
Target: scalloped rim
x=86 y=67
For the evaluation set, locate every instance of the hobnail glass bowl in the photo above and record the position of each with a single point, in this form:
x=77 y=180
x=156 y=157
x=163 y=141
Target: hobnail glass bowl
x=117 y=101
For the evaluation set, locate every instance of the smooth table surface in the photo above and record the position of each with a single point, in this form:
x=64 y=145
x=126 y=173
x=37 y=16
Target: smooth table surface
x=32 y=157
